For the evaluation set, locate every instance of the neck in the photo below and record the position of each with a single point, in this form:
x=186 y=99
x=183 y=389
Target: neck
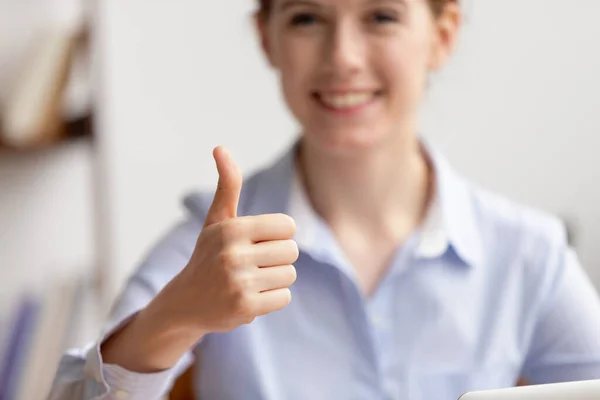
x=383 y=191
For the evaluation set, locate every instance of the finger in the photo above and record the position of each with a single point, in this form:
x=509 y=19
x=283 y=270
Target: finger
x=229 y=187
x=273 y=300
x=273 y=252
x=273 y=278
x=260 y=228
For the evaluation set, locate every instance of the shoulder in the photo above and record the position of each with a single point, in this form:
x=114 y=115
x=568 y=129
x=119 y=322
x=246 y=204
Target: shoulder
x=511 y=217
x=513 y=223
x=525 y=249
x=519 y=240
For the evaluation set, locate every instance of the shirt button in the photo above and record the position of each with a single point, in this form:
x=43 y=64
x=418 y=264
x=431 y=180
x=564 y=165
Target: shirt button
x=121 y=395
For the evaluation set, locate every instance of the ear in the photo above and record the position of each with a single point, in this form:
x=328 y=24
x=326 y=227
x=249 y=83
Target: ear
x=262 y=30
x=446 y=28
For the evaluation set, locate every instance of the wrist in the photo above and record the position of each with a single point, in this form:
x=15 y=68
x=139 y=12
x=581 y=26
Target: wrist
x=154 y=340
x=147 y=345
x=162 y=318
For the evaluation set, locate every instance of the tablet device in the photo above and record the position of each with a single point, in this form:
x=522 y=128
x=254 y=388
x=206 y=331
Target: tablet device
x=583 y=390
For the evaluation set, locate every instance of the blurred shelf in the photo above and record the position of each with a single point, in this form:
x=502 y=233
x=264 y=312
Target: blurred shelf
x=72 y=130
x=34 y=115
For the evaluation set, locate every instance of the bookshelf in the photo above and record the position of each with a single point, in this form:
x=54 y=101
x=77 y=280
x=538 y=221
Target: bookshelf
x=77 y=128
x=48 y=212
x=33 y=115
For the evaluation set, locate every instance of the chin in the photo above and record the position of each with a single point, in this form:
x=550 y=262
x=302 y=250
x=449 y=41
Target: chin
x=344 y=141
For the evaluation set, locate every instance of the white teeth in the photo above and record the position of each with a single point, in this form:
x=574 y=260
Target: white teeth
x=346 y=100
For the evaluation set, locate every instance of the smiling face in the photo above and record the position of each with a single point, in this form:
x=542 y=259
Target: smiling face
x=353 y=71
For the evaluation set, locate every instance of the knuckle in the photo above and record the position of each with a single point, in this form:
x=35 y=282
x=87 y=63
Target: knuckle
x=236 y=293
x=229 y=258
x=231 y=230
x=235 y=256
x=243 y=282
x=244 y=306
x=220 y=186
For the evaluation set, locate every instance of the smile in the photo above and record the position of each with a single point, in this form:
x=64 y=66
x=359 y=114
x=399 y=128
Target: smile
x=347 y=100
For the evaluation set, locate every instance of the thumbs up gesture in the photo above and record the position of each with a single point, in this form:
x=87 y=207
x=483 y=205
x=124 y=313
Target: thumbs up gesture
x=241 y=267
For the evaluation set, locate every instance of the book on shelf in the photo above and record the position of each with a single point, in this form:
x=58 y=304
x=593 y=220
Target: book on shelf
x=33 y=113
x=36 y=337
x=16 y=345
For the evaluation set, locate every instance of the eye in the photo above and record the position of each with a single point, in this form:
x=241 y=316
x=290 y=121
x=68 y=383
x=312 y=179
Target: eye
x=384 y=17
x=304 y=19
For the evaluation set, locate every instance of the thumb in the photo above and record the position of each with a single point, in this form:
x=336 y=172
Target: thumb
x=227 y=195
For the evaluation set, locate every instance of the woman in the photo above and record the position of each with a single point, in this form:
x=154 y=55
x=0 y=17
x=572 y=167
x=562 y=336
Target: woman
x=408 y=281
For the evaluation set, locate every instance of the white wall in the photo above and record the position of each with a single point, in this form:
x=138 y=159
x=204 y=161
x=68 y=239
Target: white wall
x=514 y=111
x=46 y=218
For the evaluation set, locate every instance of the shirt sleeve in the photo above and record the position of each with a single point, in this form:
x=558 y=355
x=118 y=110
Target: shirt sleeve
x=82 y=375
x=566 y=342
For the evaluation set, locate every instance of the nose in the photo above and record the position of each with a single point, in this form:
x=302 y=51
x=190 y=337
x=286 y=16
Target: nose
x=344 y=52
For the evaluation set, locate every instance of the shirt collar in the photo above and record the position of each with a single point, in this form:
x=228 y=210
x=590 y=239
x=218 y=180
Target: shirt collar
x=451 y=223
x=454 y=217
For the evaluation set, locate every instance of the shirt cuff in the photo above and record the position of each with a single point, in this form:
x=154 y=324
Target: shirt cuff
x=120 y=383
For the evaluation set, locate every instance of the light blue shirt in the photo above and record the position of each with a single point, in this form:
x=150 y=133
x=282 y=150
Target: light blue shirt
x=485 y=292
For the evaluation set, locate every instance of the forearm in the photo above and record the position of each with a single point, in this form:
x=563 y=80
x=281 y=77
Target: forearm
x=150 y=342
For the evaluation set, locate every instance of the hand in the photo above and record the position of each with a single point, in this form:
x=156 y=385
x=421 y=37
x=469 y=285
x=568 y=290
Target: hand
x=241 y=267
